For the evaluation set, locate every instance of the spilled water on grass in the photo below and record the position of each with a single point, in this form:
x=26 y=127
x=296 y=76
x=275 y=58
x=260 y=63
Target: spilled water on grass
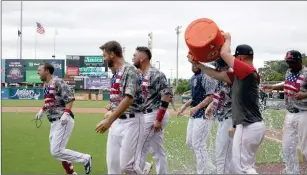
x=181 y=160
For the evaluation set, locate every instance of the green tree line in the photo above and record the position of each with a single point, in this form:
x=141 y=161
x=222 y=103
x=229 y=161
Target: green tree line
x=275 y=70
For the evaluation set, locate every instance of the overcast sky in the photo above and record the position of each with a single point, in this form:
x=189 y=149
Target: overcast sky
x=271 y=28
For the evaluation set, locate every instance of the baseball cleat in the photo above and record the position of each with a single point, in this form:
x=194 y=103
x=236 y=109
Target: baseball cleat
x=147 y=168
x=88 y=166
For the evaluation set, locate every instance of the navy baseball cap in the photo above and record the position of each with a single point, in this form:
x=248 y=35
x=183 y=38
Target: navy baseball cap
x=293 y=55
x=244 y=49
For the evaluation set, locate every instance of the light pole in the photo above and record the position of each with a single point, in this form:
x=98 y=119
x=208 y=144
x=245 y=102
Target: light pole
x=150 y=42
x=171 y=74
x=177 y=33
x=159 y=64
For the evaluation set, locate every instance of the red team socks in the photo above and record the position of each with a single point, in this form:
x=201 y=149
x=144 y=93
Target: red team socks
x=68 y=167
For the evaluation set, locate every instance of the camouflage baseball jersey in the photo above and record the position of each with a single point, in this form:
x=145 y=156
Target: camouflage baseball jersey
x=294 y=83
x=202 y=86
x=154 y=86
x=125 y=81
x=56 y=95
x=222 y=101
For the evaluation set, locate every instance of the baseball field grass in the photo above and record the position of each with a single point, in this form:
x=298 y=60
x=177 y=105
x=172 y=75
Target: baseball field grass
x=25 y=148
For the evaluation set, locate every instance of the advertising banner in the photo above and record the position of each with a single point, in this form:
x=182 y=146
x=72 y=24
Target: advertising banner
x=2 y=70
x=72 y=71
x=70 y=82
x=27 y=93
x=92 y=61
x=14 y=70
x=58 y=67
x=97 y=83
x=93 y=71
x=32 y=64
x=32 y=76
x=79 y=83
x=72 y=60
x=4 y=93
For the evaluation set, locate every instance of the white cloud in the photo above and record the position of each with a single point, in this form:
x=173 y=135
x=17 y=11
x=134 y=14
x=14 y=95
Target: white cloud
x=271 y=28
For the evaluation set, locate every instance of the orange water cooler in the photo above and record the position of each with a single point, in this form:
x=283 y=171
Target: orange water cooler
x=204 y=40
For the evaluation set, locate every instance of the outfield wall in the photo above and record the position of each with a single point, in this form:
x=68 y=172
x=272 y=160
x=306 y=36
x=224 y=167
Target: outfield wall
x=38 y=94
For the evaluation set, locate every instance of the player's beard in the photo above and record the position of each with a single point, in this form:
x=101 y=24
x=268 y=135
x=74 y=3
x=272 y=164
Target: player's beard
x=43 y=78
x=110 y=63
x=137 y=64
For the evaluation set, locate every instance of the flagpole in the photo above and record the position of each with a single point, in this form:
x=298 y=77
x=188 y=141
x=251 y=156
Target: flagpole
x=17 y=44
x=21 y=30
x=54 y=44
x=35 y=44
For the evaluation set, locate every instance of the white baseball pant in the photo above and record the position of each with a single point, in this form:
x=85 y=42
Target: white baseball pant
x=302 y=133
x=124 y=145
x=154 y=143
x=246 y=142
x=58 y=138
x=290 y=143
x=198 y=131
x=223 y=147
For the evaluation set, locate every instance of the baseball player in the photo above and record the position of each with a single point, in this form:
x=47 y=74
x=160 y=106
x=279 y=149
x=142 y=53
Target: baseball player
x=220 y=108
x=156 y=94
x=59 y=99
x=294 y=130
x=125 y=118
x=248 y=126
x=198 y=130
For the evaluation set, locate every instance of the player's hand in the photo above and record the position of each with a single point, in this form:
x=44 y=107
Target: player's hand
x=209 y=114
x=227 y=36
x=300 y=95
x=231 y=132
x=108 y=107
x=267 y=88
x=107 y=115
x=190 y=59
x=64 y=119
x=39 y=115
x=103 y=126
x=180 y=111
x=157 y=126
x=193 y=110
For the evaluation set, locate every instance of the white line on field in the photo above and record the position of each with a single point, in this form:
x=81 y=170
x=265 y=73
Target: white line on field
x=273 y=139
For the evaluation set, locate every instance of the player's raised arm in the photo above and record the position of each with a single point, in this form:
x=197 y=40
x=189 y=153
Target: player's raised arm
x=220 y=76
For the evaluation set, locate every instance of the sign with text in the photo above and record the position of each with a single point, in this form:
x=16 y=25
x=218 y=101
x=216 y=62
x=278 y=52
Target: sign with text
x=70 y=82
x=97 y=83
x=4 y=93
x=72 y=71
x=79 y=83
x=92 y=61
x=72 y=60
x=14 y=70
x=27 y=93
x=93 y=71
x=58 y=67
x=32 y=77
x=2 y=70
x=32 y=64
x=86 y=61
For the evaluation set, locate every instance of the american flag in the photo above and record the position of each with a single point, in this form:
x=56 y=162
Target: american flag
x=292 y=84
x=49 y=96
x=40 y=29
